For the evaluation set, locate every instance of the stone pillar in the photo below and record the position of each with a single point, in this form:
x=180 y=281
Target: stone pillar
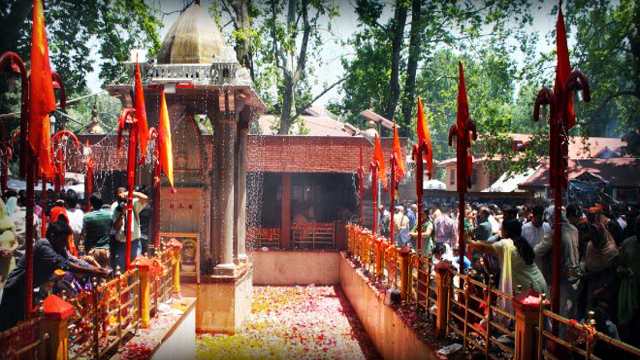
x=285 y=212
x=225 y=127
x=241 y=189
x=443 y=291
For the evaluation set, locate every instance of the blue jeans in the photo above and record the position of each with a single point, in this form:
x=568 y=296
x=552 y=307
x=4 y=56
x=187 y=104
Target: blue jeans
x=118 y=250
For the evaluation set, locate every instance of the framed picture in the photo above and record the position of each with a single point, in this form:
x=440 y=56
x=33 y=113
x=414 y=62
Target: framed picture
x=190 y=257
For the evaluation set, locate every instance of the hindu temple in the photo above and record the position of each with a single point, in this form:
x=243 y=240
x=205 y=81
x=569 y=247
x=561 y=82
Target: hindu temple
x=202 y=77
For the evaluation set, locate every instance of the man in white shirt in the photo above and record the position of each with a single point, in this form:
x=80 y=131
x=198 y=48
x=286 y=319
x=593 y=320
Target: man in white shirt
x=537 y=229
x=118 y=244
x=534 y=232
x=75 y=215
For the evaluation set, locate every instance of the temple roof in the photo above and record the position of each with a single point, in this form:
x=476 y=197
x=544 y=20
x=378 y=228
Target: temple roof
x=194 y=38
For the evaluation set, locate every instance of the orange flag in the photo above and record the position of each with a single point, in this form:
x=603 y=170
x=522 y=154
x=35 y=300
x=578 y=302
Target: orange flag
x=164 y=133
x=141 y=114
x=563 y=70
x=424 y=137
x=378 y=156
x=397 y=153
x=42 y=99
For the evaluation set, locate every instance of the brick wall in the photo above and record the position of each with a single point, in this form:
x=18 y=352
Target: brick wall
x=269 y=153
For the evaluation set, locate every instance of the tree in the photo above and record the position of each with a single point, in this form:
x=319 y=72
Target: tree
x=607 y=50
x=74 y=27
x=291 y=32
x=433 y=24
x=241 y=14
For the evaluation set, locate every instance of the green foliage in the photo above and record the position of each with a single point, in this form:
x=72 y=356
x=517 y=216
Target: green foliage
x=81 y=31
x=608 y=50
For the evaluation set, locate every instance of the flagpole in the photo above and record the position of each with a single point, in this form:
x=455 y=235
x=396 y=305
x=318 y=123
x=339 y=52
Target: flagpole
x=361 y=189
x=417 y=157
x=131 y=179
x=374 y=192
x=157 y=184
x=392 y=195
x=88 y=180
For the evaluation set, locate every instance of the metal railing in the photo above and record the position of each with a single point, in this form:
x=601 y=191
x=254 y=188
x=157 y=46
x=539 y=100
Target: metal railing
x=422 y=288
x=105 y=317
x=481 y=315
x=24 y=341
x=264 y=237
x=578 y=340
x=314 y=235
x=485 y=320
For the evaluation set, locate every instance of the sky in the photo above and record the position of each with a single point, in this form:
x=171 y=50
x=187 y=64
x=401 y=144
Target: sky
x=332 y=50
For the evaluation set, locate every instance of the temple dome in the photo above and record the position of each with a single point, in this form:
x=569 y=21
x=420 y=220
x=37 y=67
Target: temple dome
x=194 y=38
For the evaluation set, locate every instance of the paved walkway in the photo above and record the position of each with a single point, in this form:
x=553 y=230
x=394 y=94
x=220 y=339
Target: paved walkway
x=182 y=343
x=294 y=323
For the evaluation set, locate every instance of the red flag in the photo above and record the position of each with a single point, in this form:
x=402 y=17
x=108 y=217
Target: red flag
x=397 y=153
x=42 y=99
x=463 y=133
x=563 y=70
x=463 y=105
x=378 y=156
x=424 y=138
x=141 y=114
x=164 y=134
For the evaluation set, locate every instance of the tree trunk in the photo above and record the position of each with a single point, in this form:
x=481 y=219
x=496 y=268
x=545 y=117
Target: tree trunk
x=287 y=105
x=397 y=33
x=412 y=66
x=243 y=44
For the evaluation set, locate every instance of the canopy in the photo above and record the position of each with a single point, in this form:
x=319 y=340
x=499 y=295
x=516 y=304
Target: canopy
x=434 y=184
x=509 y=182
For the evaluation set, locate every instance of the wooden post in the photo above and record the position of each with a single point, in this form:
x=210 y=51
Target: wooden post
x=144 y=268
x=285 y=213
x=443 y=290
x=380 y=248
x=374 y=194
x=527 y=318
x=175 y=263
x=404 y=272
x=55 y=324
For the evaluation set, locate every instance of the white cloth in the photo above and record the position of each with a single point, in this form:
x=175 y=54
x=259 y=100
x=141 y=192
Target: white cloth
x=495 y=225
x=75 y=220
x=534 y=234
x=622 y=222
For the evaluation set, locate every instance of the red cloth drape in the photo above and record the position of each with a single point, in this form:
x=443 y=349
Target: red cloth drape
x=164 y=136
x=378 y=156
x=41 y=95
x=424 y=138
x=399 y=168
x=141 y=114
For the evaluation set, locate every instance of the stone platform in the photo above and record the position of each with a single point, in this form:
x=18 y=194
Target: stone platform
x=146 y=342
x=224 y=301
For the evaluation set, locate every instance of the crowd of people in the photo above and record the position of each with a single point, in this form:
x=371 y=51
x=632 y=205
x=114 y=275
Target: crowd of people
x=69 y=244
x=600 y=253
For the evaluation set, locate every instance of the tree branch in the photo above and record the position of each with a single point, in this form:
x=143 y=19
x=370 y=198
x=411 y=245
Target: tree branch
x=616 y=94
x=321 y=94
x=302 y=57
x=231 y=14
